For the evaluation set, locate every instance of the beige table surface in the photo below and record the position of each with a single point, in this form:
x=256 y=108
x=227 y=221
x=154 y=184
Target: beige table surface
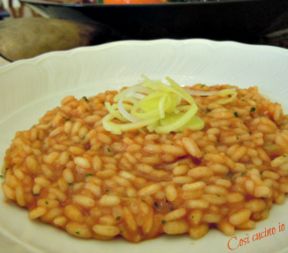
x=2 y=61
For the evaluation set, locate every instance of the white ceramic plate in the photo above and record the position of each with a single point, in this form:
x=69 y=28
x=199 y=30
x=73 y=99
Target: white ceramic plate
x=29 y=88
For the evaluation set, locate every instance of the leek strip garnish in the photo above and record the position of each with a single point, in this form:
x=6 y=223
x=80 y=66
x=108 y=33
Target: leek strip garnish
x=157 y=106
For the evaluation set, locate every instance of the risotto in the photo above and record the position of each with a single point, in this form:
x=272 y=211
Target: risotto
x=72 y=173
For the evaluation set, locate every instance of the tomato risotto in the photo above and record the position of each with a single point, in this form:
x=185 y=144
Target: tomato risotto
x=224 y=170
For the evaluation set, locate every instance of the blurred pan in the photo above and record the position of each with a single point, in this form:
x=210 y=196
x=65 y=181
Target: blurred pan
x=242 y=20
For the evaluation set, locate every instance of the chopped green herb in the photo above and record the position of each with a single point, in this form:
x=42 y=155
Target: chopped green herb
x=163 y=222
x=108 y=150
x=1 y=176
x=202 y=85
x=77 y=232
x=229 y=175
x=46 y=202
x=85 y=98
x=89 y=175
x=236 y=114
x=253 y=109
